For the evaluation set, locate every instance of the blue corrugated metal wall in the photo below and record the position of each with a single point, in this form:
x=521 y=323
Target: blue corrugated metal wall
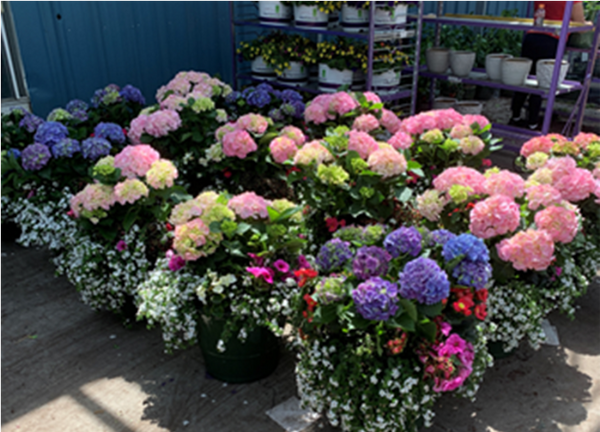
x=69 y=49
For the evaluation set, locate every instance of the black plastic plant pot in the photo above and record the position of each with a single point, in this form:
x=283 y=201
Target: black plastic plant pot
x=496 y=349
x=11 y=231
x=241 y=362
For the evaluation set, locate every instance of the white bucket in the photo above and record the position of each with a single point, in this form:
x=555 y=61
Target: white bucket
x=261 y=70
x=274 y=13
x=310 y=17
x=386 y=17
x=354 y=20
x=544 y=69
x=386 y=83
x=331 y=79
x=296 y=75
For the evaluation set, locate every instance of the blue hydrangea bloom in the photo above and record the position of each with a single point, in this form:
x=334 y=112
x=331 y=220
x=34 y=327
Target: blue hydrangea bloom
x=77 y=105
x=276 y=115
x=132 y=94
x=333 y=255
x=441 y=236
x=265 y=87
x=370 y=261
x=110 y=131
x=259 y=98
x=290 y=95
x=50 y=133
x=424 y=281
x=107 y=95
x=472 y=274
x=403 y=241
x=94 y=148
x=15 y=152
x=299 y=108
x=66 y=147
x=80 y=115
x=31 y=122
x=34 y=157
x=247 y=91
x=376 y=299
x=467 y=245
x=276 y=94
x=233 y=97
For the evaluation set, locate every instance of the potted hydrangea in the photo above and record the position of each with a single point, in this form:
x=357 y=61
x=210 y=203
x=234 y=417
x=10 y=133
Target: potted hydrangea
x=389 y=322
x=337 y=62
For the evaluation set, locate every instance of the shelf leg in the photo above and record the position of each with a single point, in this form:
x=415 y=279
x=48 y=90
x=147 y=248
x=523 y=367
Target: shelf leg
x=588 y=77
x=233 y=56
x=415 y=79
x=371 y=45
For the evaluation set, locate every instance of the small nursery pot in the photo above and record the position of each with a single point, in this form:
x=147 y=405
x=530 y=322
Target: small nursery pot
x=544 y=69
x=310 y=17
x=461 y=62
x=493 y=65
x=443 y=102
x=438 y=59
x=387 y=82
x=331 y=79
x=274 y=13
x=515 y=70
x=353 y=19
x=468 y=107
x=395 y=16
x=261 y=70
x=296 y=75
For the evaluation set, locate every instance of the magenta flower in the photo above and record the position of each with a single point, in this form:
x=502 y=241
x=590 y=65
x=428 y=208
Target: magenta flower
x=257 y=260
x=261 y=272
x=121 y=245
x=281 y=266
x=303 y=262
x=176 y=263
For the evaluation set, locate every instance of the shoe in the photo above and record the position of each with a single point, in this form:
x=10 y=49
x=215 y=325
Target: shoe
x=517 y=122
x=533 y=127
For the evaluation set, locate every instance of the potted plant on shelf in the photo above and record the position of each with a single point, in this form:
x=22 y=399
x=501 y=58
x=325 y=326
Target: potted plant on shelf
x=355 y=16
x=388 y=61
x=338 y=60
x=390 y=13
x=276 y=13
x=391 y=320
x=253 y=52
x=313 y=14
x=239 y=257
x=290 y=55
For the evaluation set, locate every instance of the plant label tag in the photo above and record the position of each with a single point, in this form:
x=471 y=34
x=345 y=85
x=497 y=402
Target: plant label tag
x=455 y=80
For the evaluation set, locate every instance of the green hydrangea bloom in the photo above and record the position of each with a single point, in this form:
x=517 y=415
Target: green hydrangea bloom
x=460 y=193
x=333 y=174
x=105 y=166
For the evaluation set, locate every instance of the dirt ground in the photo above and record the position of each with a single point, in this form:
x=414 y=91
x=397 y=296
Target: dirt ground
x=67 y=368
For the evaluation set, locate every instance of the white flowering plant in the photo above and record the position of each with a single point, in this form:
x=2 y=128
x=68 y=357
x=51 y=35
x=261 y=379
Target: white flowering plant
x=232 y=259
x=381 y=331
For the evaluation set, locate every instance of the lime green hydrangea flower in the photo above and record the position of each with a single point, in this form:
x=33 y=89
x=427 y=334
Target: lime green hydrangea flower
x=333 y=174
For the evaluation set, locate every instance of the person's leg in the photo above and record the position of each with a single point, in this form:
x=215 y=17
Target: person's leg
x=519 y=98
x=546 y=49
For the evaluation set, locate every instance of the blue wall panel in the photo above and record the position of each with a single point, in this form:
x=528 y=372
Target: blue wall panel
x=477 y=7
x=70 y=49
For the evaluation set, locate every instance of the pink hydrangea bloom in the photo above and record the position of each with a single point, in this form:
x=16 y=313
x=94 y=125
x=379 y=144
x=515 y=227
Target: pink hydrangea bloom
x=362 y=143
x=576 y=186
x=597 y=192
x=315 y=113
x=494 y=216
x=254 y=123
x=238 y=143
x=537 y=144
x=295 y=134
x=462 y=176
x=505 y=183
x=162 y=174
x=528 y=250
x=471 y=145
x=189 y=238
x=135 y=160
x=542 y=195
x=314 y=151
x=561 y=223
x=583 y=140
x=249 y=205
x=390 y=121
x=560 y=167
x=536 y=160
x=387 y=162
x=342 y=103
x=174 y=102
x=401 y=140
x=93 y=197
x=372 y=97
x=430 y=204
x=225 y=129
x=539 y=176
x=419 y=123
x=282 y=149
x=447 y=118
x=130 y=190
x=596 y=172
x=469 y=119
x=323 y=99
x=461 y=131
x=160 y=123
x=185 y=212
x=136 y=128
x=365 y=123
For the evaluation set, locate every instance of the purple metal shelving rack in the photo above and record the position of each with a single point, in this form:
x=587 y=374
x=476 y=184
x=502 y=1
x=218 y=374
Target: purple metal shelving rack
x=371 y=37
x=573 y=125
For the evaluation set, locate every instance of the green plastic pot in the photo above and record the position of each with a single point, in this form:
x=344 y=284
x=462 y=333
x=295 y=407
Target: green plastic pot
x=241 y=362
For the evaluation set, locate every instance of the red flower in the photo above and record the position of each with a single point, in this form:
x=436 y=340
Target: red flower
x=470 y=205
x=333 y=224
x=124 y=131
x=482 y=295
x=486 y=162
x=227 y=172
x=480 y=311
x=462 y=292
x=463 y=305
x=92 y=134
x=70 y=213
x=291 y=170
x=304 y=275
x=169 y=227
x=310 y=302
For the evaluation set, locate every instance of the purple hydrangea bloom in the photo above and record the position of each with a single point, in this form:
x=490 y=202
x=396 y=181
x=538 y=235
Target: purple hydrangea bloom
x=132 y=94
x=94 y=148
x=247 y=91
x=77 y=105
x=107 y=95
x=333 y=254
x=80 y=115
x=276 y=115
x=50 y=133
x=467 y=245
x=403 y=241
x=290 y=95
x=472 y=274
x=441 y=237
x=233 y=97
x=66 y=147
x=15 y=152
x=299 y=108
x=110 y=131
x=31 y=122
x=259 y=98
x=370 y=261
x=35 y=157
x=265 y=87
x=423 y=280
x=376 y=299
x=276 y=94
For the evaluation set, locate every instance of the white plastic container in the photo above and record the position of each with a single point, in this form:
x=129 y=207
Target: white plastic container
x=468 y=107
x=296 y=75
x=515 y=70
x=461 y=62
x=310 y=17
x=354 y=20
x=386 y=83
x=274 y=13
x=330 y=80
x=393 y=17
x=438 y=59
x=493 y=65
x=261 y=70
x=544 y=69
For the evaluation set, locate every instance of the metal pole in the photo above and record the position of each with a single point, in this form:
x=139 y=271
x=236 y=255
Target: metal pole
x=9 y=60
x=588 y=76
x=371 y=45
x=562 y=42
x=416 y=66
x=233 y=45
